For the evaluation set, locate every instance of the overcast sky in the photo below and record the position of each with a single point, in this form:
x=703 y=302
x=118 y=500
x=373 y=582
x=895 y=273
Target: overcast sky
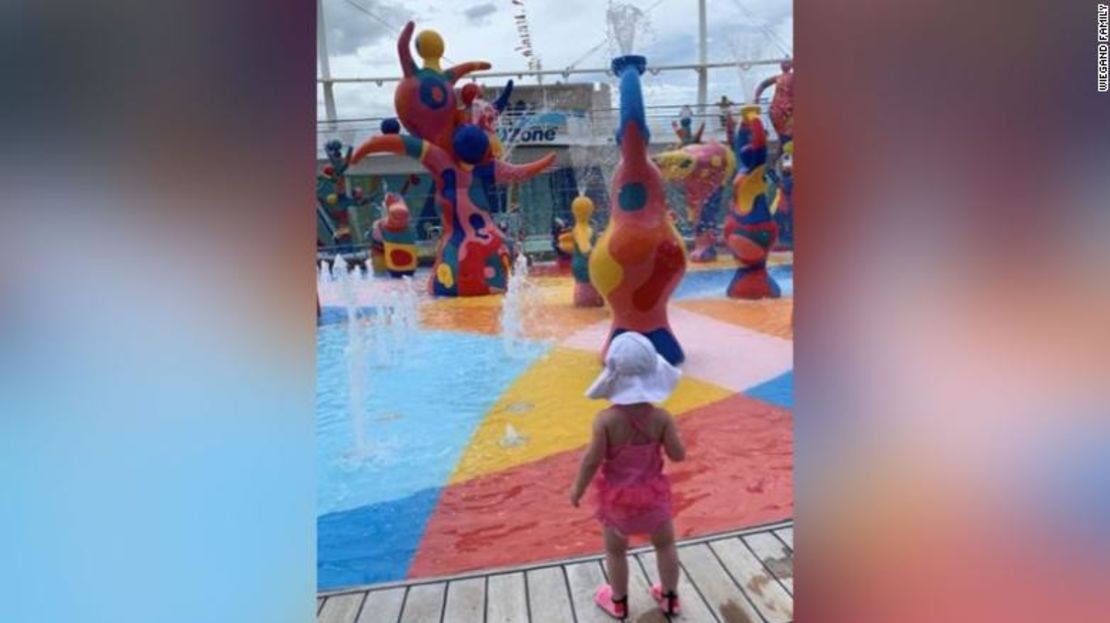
x=362 y=43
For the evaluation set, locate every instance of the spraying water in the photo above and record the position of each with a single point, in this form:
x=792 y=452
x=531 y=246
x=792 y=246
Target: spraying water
x=519 y=299
x=381 y=318
x=625 y=22
x=355 y=355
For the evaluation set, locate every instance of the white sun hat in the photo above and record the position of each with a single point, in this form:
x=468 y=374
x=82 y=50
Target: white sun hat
x=634 y=373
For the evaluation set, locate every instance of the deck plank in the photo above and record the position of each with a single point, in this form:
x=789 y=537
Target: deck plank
x=584 y=578
x=466 y=601
x=770 y=598
x=424 y=603
x=694 y=607
x=548 y=599
x=506 y=601
x=787 y=536
x=641 y=607
x=774 y=555
x=718 y=588
x=341 y=608
x=383 y=606
x=744 y=576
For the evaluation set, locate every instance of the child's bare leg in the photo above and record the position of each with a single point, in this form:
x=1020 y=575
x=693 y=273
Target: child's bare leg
x=666 y=556
x=616 y=561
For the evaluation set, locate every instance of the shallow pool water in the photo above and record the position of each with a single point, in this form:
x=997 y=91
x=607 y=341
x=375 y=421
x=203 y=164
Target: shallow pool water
x=438 y=483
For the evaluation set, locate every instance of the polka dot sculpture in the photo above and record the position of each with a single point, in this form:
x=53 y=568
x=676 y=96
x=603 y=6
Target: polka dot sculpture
x=471 y=256
x=750 y=230
x=639 y=259
x=703 y=170
x=397 y=239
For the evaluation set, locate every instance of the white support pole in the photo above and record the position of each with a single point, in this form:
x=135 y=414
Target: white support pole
x=703 y=53
x=325 y=69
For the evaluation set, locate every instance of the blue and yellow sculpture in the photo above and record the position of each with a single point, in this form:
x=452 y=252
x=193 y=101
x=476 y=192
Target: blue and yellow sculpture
x=471 y=256
x=640 y=258
x=582 y=239
x=750 y=230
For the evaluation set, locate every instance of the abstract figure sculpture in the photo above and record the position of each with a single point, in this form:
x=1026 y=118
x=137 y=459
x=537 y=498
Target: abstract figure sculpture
x=331 y=192
x=684 y=128
x=582 y=239
x=782 y=118
x=783 y=206
x=562 y=242
x=639 y=259
x=397 y=239
x=485 y=114
x=782 y=102
x=703 y=170
x=750 y=231
x=471 y=258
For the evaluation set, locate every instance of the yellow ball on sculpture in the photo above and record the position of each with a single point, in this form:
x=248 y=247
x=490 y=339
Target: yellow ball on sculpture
x=582 y=208
x=429 y=45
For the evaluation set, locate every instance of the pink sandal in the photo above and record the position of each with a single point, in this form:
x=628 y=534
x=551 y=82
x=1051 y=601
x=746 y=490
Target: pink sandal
x=616 y=608
x=668 y=602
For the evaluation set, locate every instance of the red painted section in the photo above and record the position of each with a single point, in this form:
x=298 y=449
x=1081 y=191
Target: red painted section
x=738 y=473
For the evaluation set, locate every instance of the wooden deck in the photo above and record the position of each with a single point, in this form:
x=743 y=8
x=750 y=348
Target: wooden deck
x=739 y=577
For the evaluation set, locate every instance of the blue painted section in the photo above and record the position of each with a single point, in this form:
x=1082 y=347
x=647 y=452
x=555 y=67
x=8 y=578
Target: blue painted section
x=632 y=196
x=374 y=543
x=503 y=100
x=433 y=92
x=629 y=68
x=419 y=407
x=664 y=342
x=702 y=284
x=779 y=391
x=710 y=212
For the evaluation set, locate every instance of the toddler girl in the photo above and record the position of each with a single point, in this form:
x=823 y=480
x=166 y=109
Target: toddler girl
x=633 y=495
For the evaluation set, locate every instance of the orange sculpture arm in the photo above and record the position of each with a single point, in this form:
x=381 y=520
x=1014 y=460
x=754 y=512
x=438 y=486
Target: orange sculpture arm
x=507 y=172
x=460 y=70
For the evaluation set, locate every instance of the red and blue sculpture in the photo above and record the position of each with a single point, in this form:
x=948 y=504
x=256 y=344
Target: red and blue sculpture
x=750 y=230
x=471 y=257
x=640 y=258
x=782 y=119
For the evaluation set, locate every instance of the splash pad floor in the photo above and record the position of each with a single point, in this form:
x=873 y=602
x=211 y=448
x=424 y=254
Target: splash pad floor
x=470 y=451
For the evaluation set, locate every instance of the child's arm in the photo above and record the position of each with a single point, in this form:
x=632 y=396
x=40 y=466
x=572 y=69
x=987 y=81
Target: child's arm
x=590 y=462
x=671 y=441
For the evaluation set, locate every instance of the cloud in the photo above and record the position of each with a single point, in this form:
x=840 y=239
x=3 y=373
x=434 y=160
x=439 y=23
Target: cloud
x=478 y=14
x=737 y=30
x=352 y=24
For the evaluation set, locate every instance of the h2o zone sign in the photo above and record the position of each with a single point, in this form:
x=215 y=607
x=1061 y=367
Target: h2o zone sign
x=534 y=129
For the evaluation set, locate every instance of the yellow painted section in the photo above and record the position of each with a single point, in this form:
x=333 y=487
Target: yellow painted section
x=605 y=272
x=443 y=273
x=730 y=162
x=546 y=405
x=750 y=186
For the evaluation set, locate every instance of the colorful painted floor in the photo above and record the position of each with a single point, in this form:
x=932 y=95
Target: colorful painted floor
x=444 y=493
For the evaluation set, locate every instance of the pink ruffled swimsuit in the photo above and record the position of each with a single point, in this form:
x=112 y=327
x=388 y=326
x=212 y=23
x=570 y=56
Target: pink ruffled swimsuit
x=633 y=495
